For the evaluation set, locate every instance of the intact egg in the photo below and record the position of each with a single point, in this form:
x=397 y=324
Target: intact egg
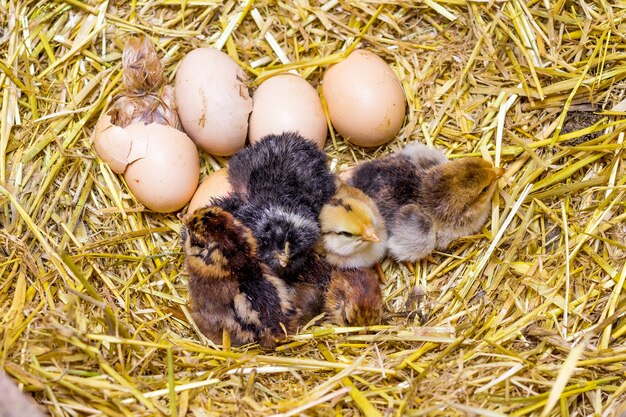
x=287 y=103
x=214 y=185
x=365 y=99
x=213 y=101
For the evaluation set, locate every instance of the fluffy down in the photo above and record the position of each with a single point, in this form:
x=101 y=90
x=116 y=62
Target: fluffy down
x=229 y=287
x=427 y=201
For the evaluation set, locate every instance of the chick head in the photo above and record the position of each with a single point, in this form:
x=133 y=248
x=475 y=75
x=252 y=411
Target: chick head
x=351 y=226
x=212 y=236
x=285 y=238
x=354 y=298
x=460 y=189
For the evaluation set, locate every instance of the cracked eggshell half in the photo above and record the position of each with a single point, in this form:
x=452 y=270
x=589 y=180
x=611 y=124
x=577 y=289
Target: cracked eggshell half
x=365 y=99
x=287 y=103
x=213 y=101
x=112 y=144
x=160 y=163
x=214 y=185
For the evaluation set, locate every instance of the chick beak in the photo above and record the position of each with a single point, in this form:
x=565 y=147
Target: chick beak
x=370 y=235
x=283 y=257
x=283 y=260
x=499 y=172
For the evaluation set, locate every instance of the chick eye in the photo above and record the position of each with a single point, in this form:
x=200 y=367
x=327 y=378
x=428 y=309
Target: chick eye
x=485 y=189
x=346 y=234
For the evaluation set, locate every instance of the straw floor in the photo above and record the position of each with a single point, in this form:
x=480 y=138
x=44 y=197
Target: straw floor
x=524 y=319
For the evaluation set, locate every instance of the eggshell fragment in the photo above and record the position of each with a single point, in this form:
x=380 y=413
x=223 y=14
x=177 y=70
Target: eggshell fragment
x=287 y=103
x=112 y=144
x=166 y=176
x=365 y=99
x=214 y=185
x=213 y=101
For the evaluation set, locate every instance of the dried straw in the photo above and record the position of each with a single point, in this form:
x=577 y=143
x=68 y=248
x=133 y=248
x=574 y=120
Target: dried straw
x=525 y=318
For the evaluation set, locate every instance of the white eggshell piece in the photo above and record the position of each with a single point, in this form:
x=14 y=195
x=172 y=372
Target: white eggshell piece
x=287 y=103
x=213 y=101
x=365 y=99
x=214 y=185
x=166 y=177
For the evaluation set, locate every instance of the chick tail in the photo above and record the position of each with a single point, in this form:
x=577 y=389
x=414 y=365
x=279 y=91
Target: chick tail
x=412 y=235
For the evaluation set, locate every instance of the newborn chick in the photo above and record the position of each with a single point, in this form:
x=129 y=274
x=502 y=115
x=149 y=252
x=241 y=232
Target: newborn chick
x=229 y=288
x=284 y=236
x=353 y=230
x=350 y=297
x=283 y=169
x=426 y=200
x=354 y=298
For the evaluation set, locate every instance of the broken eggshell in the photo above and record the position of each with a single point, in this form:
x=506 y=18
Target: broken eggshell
x=112 y=144
x=160 y=163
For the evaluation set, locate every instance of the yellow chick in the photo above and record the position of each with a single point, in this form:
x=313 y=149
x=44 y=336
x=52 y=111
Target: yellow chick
x=353 y=231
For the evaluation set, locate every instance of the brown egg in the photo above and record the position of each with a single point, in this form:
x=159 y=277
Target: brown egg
x=365 y=99
x=214 y=185
x=287 y=103
x=213 y=101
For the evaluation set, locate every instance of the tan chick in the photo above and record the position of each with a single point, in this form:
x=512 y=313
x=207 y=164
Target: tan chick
x=229 y=288
x=426 y=200
x=349 y=297
x=354 y=298
x=353 y=231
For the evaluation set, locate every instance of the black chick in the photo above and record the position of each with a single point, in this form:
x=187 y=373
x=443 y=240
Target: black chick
x=285 y=237
x=228 y=287
x=283 y=169
x=426 y=200
x=284 y=182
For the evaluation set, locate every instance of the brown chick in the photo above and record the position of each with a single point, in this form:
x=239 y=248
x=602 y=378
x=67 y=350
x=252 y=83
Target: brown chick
x=426 y=200
x=309 y=288
x=354 y=298
x=457 y=195
x=229 y=288
x=353 y=231
x=349 y=297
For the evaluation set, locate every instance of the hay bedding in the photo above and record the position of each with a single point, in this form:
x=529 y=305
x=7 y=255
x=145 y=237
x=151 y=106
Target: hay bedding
x=525 y=318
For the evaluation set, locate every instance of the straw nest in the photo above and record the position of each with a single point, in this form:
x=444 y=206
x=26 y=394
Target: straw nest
x=525 y=318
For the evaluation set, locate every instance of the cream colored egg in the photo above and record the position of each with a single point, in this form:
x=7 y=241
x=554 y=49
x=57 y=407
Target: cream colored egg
x=164 y=173
x=213 y=101
x=365 y=99
x=287 y=103
x=214 y=185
